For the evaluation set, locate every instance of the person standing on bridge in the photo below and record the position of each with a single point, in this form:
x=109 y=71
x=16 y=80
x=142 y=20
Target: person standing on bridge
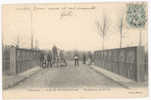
x=41 y=60
x=49 y=60
x=76 y=60
x=84 y=58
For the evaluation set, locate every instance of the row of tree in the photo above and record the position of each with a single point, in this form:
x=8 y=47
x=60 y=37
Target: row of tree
x=135 y=18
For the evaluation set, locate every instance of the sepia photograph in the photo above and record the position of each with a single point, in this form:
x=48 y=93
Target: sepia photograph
x=75 y=50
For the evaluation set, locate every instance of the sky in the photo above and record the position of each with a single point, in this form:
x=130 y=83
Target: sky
x=68 y=29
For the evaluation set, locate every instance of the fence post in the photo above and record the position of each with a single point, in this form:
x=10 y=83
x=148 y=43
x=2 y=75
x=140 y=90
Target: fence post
x=13 y=60
x=140 y=64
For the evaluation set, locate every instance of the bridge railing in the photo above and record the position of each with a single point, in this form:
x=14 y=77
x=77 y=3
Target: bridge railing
x=17 y=60
x=6 y=60
x=128 y=62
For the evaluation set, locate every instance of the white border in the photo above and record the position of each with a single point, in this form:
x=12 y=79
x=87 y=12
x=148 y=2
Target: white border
x=77 y=1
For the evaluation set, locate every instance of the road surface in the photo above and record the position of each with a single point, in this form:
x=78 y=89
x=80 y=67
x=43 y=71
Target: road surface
x=67 y=77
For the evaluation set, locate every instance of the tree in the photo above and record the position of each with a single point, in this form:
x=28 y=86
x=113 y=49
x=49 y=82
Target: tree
x=136 y=17
x=54 y=52
x=18 y=42
x=36 y=44
x=32 y=41
x=121 y=30
x=102 y=28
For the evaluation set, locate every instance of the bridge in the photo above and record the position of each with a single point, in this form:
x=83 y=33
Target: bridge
x=118 y=68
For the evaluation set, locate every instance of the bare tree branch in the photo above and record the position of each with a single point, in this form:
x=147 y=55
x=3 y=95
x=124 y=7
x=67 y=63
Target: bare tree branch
x=99 y=27
x=102 y=28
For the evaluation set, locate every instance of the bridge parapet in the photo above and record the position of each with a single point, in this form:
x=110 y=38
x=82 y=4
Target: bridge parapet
x=128 y=62
x=20 y=59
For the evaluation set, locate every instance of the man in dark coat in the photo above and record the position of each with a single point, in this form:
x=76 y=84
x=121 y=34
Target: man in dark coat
x=84 y=58
x=49 y=60
x=76 y=60
x=41 y=59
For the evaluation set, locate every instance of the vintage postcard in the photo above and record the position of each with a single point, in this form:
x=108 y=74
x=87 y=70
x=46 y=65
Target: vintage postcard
x=75 y=50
